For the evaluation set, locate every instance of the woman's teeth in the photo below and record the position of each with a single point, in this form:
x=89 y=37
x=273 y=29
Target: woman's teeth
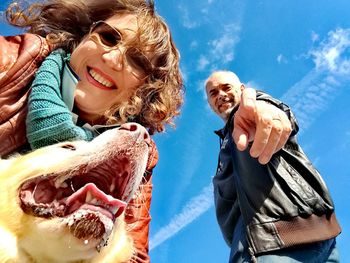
x=100 y=79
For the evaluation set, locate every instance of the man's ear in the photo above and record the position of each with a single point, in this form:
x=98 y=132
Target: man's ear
x=242 y=87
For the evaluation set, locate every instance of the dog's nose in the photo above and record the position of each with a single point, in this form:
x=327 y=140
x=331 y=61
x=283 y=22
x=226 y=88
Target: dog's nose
x=139 y=131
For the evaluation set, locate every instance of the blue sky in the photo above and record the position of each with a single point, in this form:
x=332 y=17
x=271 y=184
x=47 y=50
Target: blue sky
x=298 y=51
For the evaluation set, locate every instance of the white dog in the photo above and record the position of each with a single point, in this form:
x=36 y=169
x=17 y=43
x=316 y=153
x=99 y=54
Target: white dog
x=65 y=203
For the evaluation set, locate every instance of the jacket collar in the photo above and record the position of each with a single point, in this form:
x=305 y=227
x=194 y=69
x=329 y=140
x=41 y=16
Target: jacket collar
x=228 y=126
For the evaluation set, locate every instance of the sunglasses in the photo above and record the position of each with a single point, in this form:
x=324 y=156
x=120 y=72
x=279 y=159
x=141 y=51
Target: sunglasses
x=135 y=61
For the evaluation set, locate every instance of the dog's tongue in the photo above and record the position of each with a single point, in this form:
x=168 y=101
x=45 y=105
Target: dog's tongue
x=90 y=197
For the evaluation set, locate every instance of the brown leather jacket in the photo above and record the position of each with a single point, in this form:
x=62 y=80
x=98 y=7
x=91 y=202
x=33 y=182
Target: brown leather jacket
x=20 y=57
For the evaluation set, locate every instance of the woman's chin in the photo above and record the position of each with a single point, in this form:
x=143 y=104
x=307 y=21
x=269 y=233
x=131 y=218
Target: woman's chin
x=88 y=116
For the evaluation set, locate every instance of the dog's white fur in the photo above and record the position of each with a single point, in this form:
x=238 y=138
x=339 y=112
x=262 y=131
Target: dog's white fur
x=27 y=238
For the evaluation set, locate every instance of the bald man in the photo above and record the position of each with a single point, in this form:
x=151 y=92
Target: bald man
x=271 y=203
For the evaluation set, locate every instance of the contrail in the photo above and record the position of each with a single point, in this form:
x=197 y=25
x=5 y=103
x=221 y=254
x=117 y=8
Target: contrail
x=317 y=89
x=193 y=209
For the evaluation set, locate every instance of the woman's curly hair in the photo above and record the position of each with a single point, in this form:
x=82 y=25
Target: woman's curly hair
x=65 y=23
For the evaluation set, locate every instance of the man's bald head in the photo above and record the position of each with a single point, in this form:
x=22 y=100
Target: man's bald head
x=223 y=89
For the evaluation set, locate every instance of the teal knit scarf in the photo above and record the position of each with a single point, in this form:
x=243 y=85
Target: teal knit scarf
x=49 y=120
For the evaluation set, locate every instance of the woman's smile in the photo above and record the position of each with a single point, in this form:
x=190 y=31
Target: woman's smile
x=99 y=79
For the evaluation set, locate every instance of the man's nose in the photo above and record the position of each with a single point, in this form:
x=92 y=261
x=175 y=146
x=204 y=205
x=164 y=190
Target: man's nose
x=221 y=95
x=114 y=59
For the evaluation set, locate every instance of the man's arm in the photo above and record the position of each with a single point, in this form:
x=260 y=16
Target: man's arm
x=265 y=121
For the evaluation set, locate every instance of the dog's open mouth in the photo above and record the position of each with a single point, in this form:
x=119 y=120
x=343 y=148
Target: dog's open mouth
x=101 y=189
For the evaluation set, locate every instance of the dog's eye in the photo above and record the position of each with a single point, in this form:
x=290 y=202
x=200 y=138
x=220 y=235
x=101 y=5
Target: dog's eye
x=69 y=147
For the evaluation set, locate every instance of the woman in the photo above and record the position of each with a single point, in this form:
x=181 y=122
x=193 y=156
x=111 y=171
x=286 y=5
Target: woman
x=109 y=62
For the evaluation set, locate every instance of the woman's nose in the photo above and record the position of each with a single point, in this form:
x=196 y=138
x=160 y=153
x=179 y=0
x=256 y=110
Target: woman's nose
x=114 y=59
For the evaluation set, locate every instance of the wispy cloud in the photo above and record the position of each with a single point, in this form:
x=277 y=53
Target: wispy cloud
x=203 y=62
x=194 y=44
x=314 y=93
x=221 y=49
x=187 y=20
x=192 y=210
x=333 y=54
x=194 y=13
x=281 y=59
x=253 y=84
x=220 y=34
x=314 y=36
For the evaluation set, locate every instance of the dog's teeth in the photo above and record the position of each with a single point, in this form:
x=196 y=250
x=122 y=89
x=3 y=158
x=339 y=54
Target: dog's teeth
x=86 y=242
x=111 y=189
x=64 y=185
x=94 y=201
x=61 y=182
x=88 y=198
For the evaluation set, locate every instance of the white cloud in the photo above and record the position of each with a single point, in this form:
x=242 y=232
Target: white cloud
x=221 y=33
x=187 y=20
x=194 y=44
x=310 y=96
x=315 y=92
x=207 y=8
x=203 y=62
x=333 y=53
x=314 y=37
x=221 y=49
x=281 y=59
x=253 y=84
x=192 y=210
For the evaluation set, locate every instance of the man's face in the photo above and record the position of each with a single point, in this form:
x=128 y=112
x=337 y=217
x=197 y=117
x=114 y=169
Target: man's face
x=223 y=93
